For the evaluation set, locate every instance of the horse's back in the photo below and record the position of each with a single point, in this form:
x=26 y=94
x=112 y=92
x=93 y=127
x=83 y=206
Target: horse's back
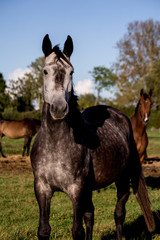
x=112 y=156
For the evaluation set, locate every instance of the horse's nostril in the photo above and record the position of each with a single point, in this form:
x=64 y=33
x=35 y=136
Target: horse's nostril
x=52 y=108
x=65 y=109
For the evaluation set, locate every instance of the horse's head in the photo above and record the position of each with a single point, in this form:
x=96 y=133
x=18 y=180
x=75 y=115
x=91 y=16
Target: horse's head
x=145 y=105
x=57 y=77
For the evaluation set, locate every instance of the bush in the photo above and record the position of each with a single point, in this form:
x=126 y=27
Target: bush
x=154 y=119
x=14 y=115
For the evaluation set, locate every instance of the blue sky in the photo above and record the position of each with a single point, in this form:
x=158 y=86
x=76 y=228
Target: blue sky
x=94 y=25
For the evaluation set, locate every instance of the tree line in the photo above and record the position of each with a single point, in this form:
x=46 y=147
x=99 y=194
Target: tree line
x=137 y=66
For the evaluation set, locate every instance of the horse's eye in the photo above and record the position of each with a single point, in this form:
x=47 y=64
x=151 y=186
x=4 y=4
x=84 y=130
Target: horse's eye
x=45 y=72
x=71 y=73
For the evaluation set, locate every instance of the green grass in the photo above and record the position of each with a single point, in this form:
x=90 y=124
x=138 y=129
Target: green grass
x=154 y=143
x=19 y=212
x=15 y=146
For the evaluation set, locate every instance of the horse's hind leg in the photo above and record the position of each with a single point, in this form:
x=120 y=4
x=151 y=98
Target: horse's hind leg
x=122 y=197
x=1 y=146
x=28 y=145
x=43 y=194
x=26 y=140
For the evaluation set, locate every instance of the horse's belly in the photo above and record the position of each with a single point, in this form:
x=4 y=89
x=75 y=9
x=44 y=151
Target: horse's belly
x=14 y=133
x=109 y=162
x=106 y=173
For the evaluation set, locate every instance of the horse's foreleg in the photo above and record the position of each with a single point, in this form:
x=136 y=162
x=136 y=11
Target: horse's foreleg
x=89 y=215
x=43 y=194
x=122 y=195
x=77 y=229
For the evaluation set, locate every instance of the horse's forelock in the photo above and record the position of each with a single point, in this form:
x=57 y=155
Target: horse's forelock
x=145 y=96
x=57 y=51
x=60 y=54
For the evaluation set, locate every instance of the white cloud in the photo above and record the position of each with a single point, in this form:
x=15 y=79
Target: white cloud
x=18 y=73
x=85 y=86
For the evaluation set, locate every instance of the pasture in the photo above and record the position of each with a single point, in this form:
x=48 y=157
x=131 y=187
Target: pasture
x=19 y=209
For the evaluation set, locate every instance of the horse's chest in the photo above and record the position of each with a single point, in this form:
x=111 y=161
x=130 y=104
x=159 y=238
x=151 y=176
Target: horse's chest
x=62 y=163
x=141 y=143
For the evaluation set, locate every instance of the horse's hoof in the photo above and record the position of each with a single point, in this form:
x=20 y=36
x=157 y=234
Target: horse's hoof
x=43 y=238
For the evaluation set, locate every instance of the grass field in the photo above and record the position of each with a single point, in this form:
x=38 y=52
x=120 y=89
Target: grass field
x=19 y=212
x=19 y=209
x=154 y=143
x=13 y=147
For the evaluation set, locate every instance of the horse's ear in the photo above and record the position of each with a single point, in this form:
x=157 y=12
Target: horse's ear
x=46 y=45
x=68 y=47
x=150 y=93
x=141 y=92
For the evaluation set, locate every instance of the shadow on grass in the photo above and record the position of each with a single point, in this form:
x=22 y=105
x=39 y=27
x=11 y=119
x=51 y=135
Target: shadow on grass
x=153 y=182
x=151 y=160
x=136 y=230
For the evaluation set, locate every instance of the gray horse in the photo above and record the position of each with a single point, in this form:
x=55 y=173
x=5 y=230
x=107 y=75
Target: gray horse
x=79 y=152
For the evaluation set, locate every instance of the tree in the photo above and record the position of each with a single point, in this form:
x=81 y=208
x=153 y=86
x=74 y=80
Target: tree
x=153 y=82
x=86 y=100
x=22 y=94
x=138 y=52
x=103 y=78
x=27 y=90
x=37 y=75
x=4 y=97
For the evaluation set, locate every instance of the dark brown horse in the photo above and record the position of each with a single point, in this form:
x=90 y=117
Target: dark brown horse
x=78 y=152
x=25 y=128
x=139 y=122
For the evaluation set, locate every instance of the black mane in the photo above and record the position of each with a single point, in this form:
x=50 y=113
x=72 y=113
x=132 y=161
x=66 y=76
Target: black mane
x=136 y=109
x=85 y=124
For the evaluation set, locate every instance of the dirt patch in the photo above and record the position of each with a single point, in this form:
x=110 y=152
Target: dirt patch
x=19 y=164
x=15 y=164
x=151 y=167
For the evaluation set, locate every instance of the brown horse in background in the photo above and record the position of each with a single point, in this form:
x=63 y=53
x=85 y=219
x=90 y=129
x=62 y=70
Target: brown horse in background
x=139 y=122
x=25 y=128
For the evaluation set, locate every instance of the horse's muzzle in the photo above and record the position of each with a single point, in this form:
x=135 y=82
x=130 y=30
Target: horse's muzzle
x=59 y=111
x=145 y=119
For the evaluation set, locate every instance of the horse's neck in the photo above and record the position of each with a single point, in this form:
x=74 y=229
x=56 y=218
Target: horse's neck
x=73 y=120
x=141 y=128
x=48 y=124
x=73 y=126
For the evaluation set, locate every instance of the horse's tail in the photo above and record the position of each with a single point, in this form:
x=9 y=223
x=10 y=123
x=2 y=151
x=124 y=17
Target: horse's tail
x=141 y=193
